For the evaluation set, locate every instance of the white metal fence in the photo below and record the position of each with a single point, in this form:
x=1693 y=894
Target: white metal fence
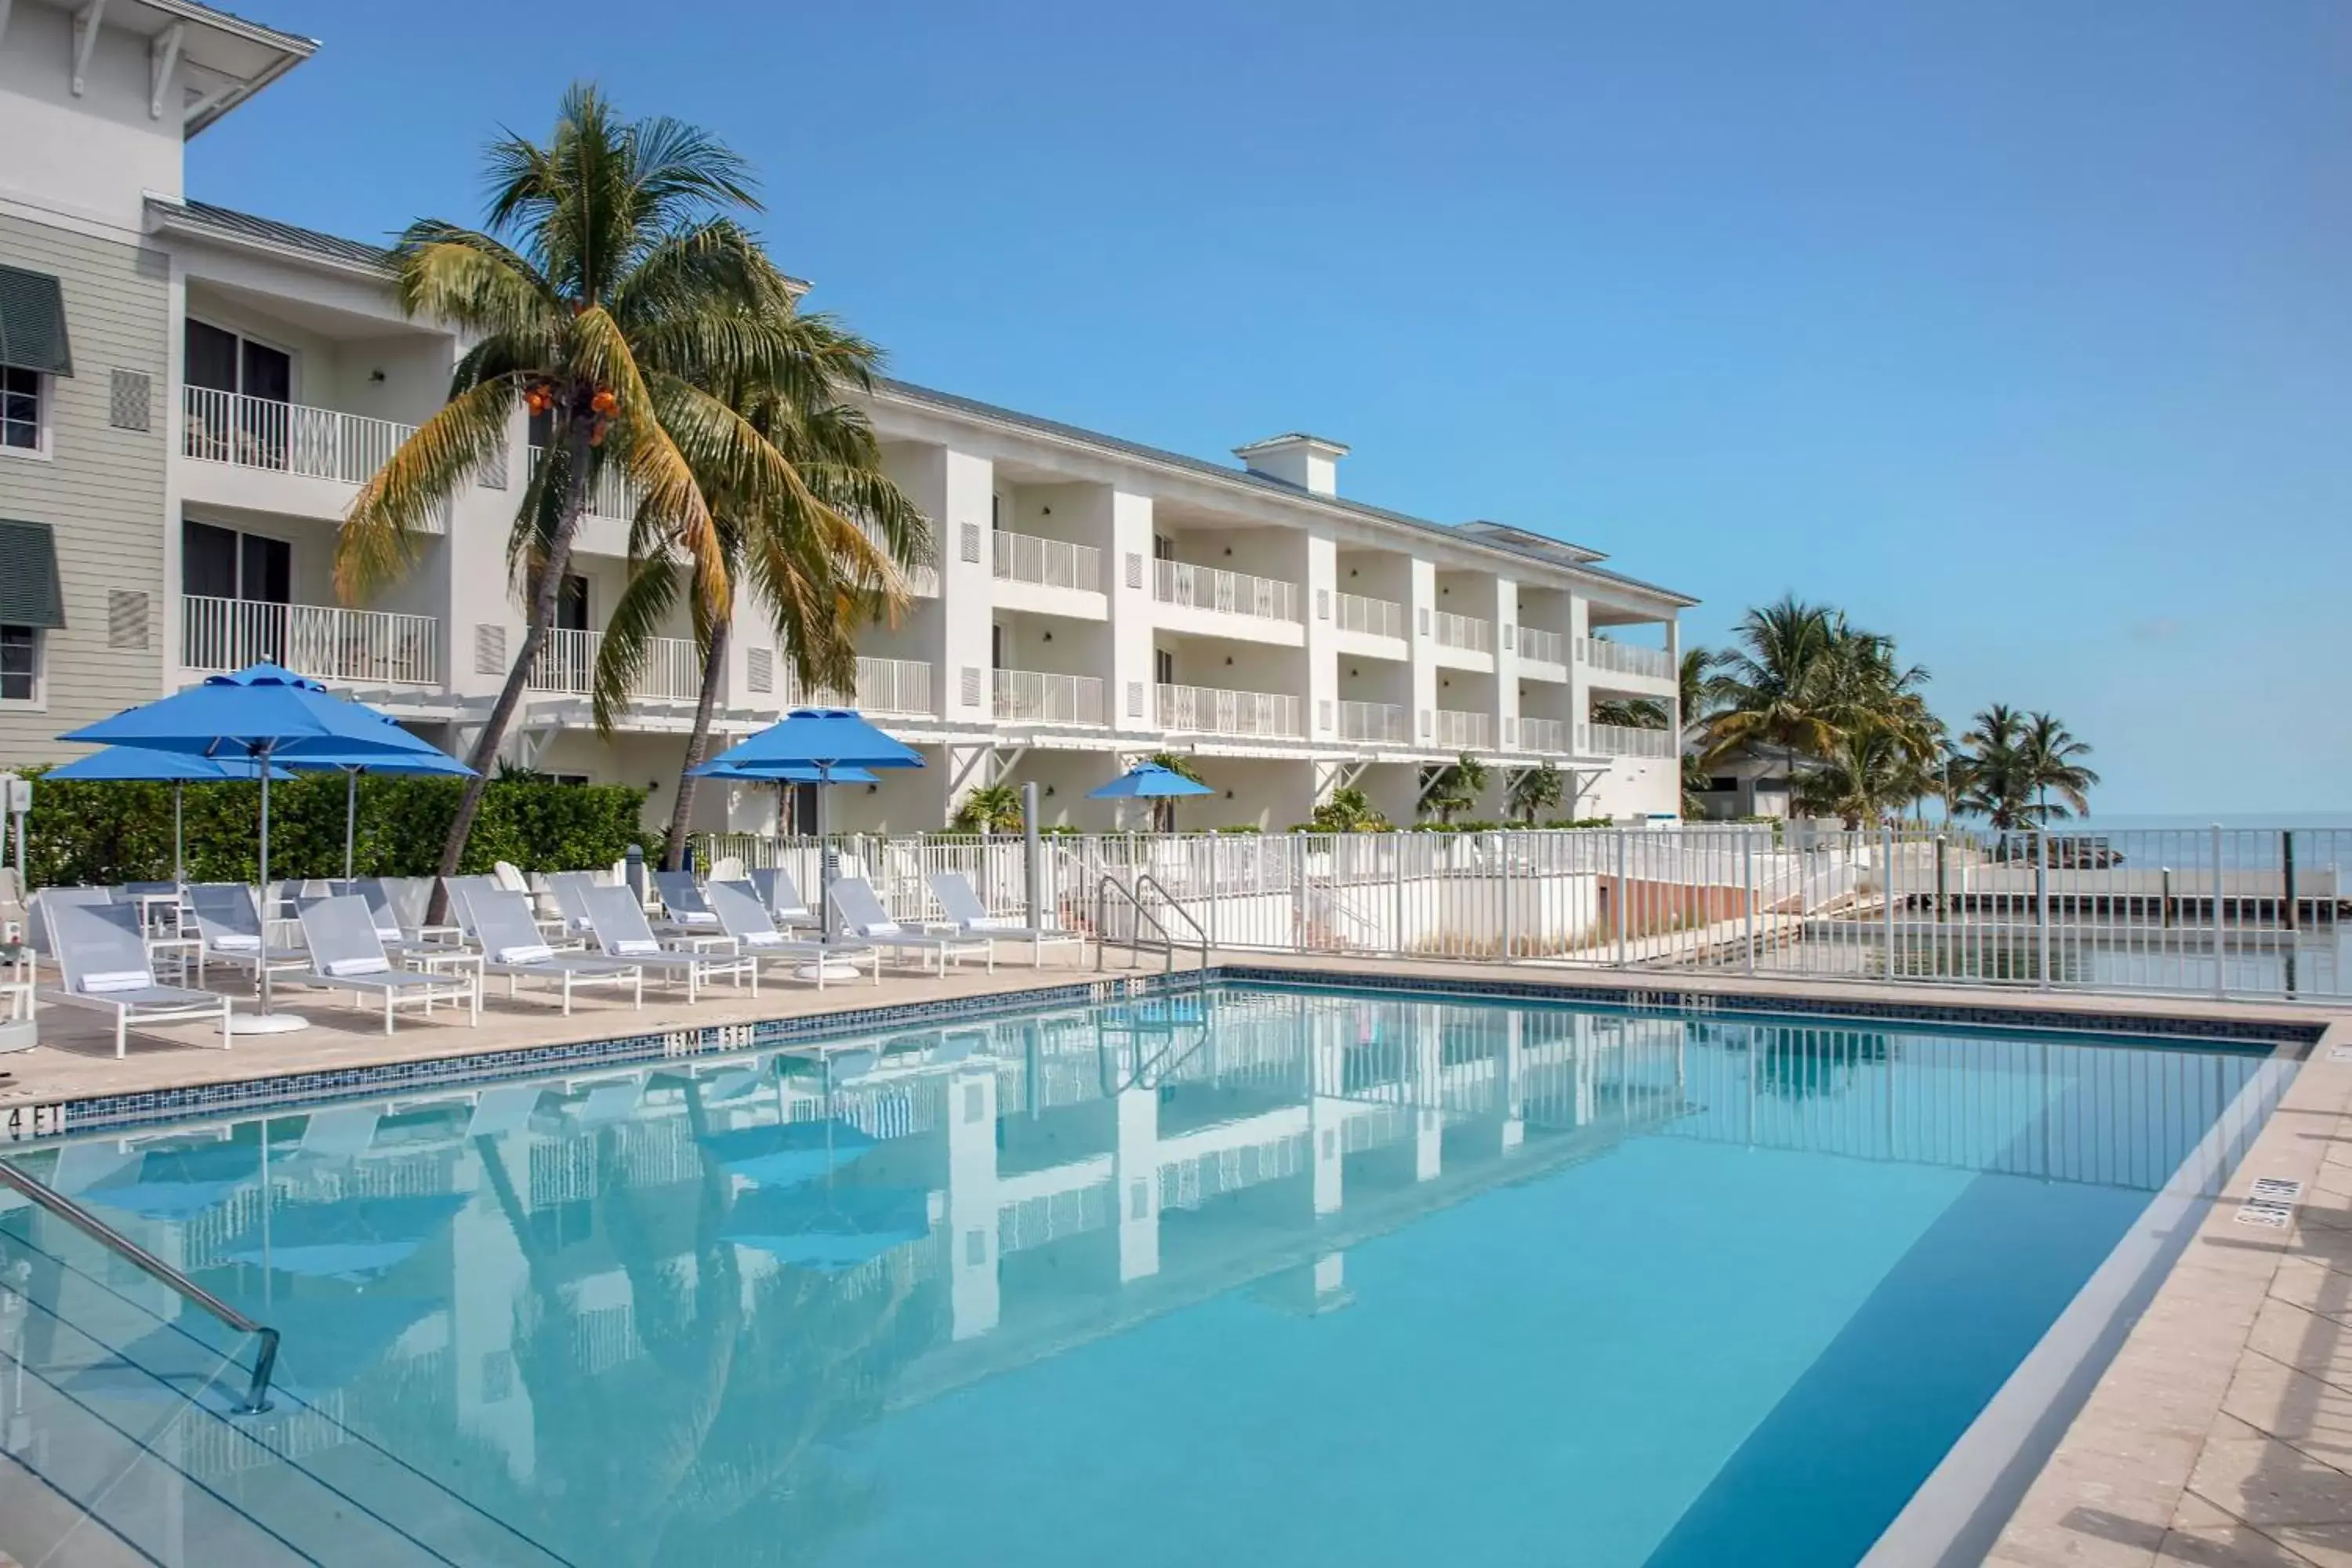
x=1041 y=697
x=362 y=647
x=1228 y=592
x=289 y=437
x=1624 y=659
x=1375 y=617
x=884 y=685
x=1626 y=741
x=1540 y=647
x=1549 y=735
x=1048 y=563
x=1460 y=730
x=1213 y=711
x=1466 y=632
x=2207 y=912
x=1388 y=723
x=672 y=671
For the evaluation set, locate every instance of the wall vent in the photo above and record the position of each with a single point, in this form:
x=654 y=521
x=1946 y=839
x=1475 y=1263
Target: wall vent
x=1134 y=570
x=760 y=669
x=1507 y=629
x=971 y=543
x=126 y=618
x=1134 y=694
x=1424 y=620
x=489 y=649
x=970 y=683
x=130 y=400
x=1323 y=715
x=1322 y=604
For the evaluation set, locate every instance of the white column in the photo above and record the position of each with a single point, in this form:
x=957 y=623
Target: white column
x=1425 y=1088
x=1421 y=609
x=1127 y=562
x=1318 y=582
x=1327 y=1113
x=1135 y=1165
x=973 y=1288
x=1511 y=1090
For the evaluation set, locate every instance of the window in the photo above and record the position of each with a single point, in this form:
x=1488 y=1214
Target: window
x=221 y=360
x=571 y=605
x=20 y=664
x=222 y=564
x=568 y=778
x=20 y=410
x=1164 y=666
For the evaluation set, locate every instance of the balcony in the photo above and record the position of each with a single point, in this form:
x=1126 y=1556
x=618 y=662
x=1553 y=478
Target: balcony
x=1040 y=697
x=1540 y=647
x=262 y=435
x=1379 y=723
x=1226 y=593
x=1618 y=658
x=1467 y=633
x=899 y=686
x=1372 y=617
x=672 y=671
x=923 y=582
x=1211 y=710
x=1460 y=731
x=1545 y=735
x=1048 y=562
x=359 y=648
x=1624 y=741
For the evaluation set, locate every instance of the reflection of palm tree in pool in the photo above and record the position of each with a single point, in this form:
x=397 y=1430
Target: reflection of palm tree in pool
x=1797 y=1063
x=714 y=1442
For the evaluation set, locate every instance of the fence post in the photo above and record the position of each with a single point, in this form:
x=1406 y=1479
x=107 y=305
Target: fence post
x=1618 y=902
x=2220 y=983
x=1298 y=899
x=2287 y=910
x=1397 y=842
x=1747 y=879
x=1508 y=954
x=1032 y=866
x=1886 y=894
x=2041 y=896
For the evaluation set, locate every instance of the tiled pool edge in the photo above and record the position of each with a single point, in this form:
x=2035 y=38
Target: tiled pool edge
x=2185 y=1409
x=102 y=1113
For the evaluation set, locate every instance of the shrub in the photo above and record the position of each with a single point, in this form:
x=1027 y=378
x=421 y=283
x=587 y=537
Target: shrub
x=121 y=832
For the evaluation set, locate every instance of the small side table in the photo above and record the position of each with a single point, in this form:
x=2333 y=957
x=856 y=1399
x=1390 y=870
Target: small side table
x=450 y=960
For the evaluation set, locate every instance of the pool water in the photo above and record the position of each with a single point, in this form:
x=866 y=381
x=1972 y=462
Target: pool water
x=1258 y=1275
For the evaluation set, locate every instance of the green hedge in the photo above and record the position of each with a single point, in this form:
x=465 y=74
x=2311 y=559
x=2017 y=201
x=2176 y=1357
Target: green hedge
x=108 y=833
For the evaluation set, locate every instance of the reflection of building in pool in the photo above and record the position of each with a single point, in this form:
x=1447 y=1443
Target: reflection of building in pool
x=1073 y=1175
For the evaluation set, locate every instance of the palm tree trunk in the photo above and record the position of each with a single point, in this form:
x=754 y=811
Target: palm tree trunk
x=544 y=593
x=681 y=815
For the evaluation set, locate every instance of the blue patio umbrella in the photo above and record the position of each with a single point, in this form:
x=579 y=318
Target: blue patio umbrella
x=826 y=740
x=780 y=773
x=1148 y=780
x=789 y=1155
x=829 y=1228
x=432 y=760
x=263 y=713
x=348 y=1238
x=136 y=763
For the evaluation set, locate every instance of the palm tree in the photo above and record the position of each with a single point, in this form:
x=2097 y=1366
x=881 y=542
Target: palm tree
x=2050 y=758
x=1767 y=692
x=1534 y=791
x=991 y=808
x=1163 y=810
x=1349 y=810
x=800 y=545
x=611 y=283
x=1631 y=712
x=1454 y=788
x=1696 y=685
x=1992 y=776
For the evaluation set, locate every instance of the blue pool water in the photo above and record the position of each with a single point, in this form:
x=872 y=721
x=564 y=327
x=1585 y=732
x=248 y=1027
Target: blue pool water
x=1268 y=1276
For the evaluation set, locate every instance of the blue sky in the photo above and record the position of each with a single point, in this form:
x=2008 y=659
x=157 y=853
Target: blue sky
x=2020 y=331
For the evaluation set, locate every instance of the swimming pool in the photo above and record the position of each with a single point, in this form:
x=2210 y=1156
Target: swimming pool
x=1259 y=1273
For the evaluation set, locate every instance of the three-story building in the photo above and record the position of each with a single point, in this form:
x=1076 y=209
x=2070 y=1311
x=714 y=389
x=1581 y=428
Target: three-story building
x=190 y=397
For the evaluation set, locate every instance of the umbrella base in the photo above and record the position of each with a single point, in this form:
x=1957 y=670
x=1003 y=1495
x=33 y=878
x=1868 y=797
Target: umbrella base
x=831 y=968
x=265 y=1023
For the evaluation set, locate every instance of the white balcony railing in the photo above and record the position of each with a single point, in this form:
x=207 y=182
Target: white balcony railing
x=1227 y=592
x=287 y=437
x=1547 y=735
x=1049 y=562
x=1541 y=646
x=1041 y=697
x=672 y=671
x=923 y=582
x=1461 y=731
x=609 y=496
x=1624 y=741
x=1384 y=722
x=884 y=685
x=1375 y=617
x=1621 y=659
x=1212 y=710
x=364 y=647
x=1464 y=632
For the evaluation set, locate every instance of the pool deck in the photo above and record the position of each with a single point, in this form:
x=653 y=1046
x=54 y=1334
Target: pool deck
x=2220 y=1436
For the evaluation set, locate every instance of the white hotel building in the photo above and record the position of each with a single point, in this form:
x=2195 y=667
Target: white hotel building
x=190 y=396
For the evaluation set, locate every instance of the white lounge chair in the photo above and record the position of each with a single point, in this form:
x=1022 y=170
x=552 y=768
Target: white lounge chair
x=744 y=919
x=461 y=891
x=512 y=946
x=347 y=954
x=570 y=891
x=968 y=916
x=103 y=954
x=228 y=929
x=623 y=932
x=783 y=899
x=683 y=904
x=863 y=916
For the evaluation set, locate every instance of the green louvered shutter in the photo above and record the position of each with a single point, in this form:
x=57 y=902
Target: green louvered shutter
x=29 y=576
x=33 y=323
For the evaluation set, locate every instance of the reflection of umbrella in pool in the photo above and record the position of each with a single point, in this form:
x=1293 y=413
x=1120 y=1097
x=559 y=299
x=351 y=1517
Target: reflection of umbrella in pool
x=786 y=1155
x=327 y=1344
x=174 y=1183
x=346 y=1239
x=829 y=1228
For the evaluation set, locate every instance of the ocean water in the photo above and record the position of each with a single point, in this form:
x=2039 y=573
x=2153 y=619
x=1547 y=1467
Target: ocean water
x=1252 y=1276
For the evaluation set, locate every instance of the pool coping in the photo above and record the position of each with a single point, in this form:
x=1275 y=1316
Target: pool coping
x=31 y=1121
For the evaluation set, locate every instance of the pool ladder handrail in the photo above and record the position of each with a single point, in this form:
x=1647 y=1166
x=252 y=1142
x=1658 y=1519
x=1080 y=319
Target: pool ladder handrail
x=265 y=1363
x=1134 y=938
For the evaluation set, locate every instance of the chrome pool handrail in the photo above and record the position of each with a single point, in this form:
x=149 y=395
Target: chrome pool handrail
x=264 y=1361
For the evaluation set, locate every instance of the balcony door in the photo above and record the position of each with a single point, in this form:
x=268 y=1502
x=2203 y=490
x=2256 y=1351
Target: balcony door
x=239 y=394
x=237 y=588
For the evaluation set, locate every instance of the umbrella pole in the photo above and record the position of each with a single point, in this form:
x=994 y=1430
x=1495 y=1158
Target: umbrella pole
x=179 y=850
x=266 y=1022
x=351 y=819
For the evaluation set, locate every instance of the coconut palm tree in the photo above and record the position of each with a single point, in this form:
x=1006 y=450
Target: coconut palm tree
x=799 y=546
x=611 y=282
x=1454 y=788
x=2050 y=759
x=1534 y=791
x=1992 y=774
x=1767 y=692
x=991 y=808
